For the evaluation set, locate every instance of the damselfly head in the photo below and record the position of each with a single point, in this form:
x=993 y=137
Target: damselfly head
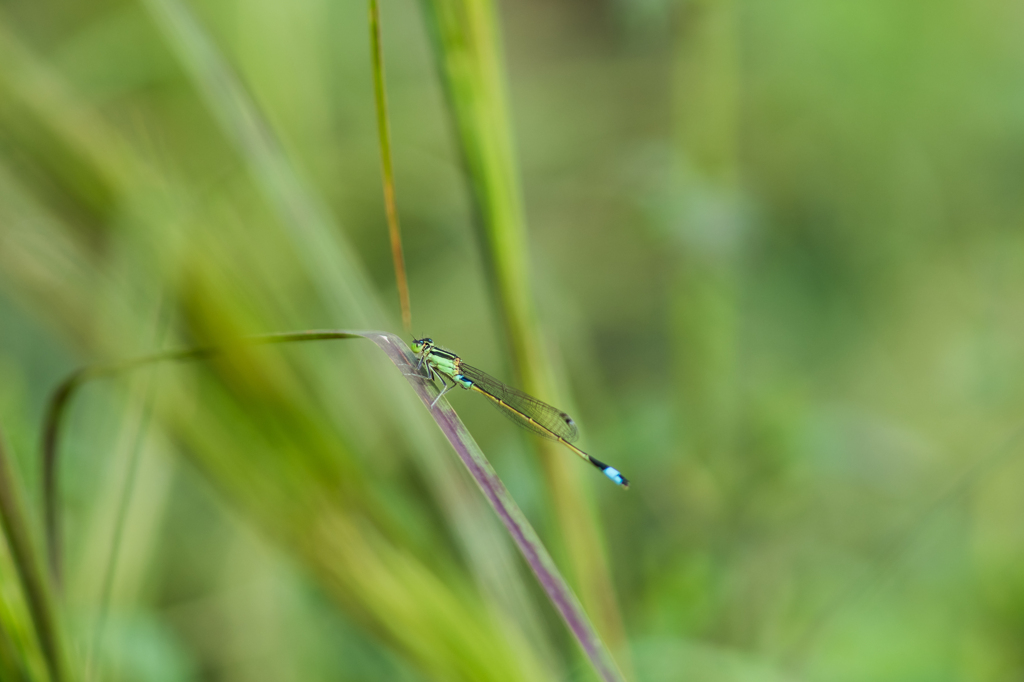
x=419 y=345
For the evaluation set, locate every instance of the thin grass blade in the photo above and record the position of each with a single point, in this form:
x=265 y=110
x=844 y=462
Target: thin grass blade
x=468 y=49
x=386 y=168
x=30 y=570
x=522 y=533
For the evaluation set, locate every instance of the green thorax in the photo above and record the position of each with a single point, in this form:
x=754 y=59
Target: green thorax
x=444 y=361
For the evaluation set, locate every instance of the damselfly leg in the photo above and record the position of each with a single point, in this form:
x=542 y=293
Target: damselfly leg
x=447 y=387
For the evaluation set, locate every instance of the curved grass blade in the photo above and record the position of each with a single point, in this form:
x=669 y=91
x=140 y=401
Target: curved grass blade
x=61 y=398
x=515 y=522
x=31 y=574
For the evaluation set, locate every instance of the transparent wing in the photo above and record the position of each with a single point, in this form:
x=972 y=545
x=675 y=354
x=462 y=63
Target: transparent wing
x=546 y=420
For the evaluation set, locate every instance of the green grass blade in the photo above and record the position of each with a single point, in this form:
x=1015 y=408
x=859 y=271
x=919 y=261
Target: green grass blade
x=387 y=172
x=61 y=399
x=468 y=50
x=30 y=571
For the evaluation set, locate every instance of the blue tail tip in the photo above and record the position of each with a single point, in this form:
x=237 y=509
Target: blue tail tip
x=615 y=476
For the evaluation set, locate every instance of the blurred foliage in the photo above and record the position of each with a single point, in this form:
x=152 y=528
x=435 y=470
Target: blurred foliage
x=776 y=254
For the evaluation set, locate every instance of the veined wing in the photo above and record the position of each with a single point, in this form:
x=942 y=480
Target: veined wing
x=525 y=410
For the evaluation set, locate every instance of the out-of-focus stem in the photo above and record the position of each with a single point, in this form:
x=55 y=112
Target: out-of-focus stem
x=467 y=46
x=31 y=573
x=705 y=315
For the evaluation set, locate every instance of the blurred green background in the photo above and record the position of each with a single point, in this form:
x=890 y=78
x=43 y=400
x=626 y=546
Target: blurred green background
x=776 y=253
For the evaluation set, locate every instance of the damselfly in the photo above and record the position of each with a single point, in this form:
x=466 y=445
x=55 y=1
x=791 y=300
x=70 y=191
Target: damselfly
x=525 y=410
